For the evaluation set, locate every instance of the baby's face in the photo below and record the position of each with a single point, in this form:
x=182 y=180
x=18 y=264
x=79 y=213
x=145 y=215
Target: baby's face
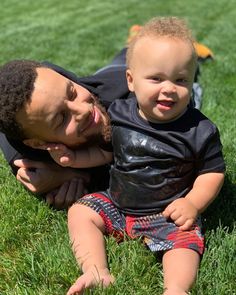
x=60 y=111
x=161 y=74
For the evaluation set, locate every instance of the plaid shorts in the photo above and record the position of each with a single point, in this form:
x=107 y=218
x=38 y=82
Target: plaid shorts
x=157 y=233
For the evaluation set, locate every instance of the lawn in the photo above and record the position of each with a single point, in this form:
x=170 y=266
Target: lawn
x=81 y=36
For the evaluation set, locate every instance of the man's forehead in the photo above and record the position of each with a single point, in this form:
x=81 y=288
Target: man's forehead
x=48 y=77
x=50 y=89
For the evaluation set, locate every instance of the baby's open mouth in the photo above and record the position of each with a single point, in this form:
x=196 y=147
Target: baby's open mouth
x=166 y=103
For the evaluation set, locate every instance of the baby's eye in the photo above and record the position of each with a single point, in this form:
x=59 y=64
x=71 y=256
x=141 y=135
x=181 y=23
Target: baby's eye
x=181 y=80
x=157 y=79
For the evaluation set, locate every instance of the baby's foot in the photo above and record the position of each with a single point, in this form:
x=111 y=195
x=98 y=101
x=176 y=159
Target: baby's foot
x=91 y=279
x=170 y=291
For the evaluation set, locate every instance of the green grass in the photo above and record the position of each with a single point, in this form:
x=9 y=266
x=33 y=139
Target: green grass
x=35 y=255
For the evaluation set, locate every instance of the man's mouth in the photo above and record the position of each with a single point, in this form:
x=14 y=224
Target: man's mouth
x=90 y=121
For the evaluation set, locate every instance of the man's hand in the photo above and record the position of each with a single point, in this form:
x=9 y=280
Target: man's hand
x=67 y=194
x=62 y=185
x=182 y=212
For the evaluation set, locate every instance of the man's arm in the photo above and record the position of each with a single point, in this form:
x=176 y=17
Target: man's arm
x=59 y=186
x=42 y=177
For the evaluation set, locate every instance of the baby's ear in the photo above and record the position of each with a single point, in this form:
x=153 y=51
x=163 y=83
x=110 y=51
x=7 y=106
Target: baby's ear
x=129 y=78
x=34 y=143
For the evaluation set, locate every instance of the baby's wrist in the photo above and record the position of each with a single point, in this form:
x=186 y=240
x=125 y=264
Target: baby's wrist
x=194 y=206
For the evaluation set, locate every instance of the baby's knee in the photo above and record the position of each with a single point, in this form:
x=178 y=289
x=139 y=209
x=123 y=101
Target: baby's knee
x=84 y=215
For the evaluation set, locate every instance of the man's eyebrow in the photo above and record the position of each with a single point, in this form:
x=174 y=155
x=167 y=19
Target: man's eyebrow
x=68 y=87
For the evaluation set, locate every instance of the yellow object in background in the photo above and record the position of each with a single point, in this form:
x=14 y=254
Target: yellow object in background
x=203 y=52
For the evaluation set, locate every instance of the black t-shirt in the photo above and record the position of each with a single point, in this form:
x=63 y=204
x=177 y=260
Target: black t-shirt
x=156 y=163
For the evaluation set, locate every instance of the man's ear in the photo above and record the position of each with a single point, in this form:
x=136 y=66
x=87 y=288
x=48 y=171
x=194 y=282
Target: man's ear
x=129 y=78
x=34 y=143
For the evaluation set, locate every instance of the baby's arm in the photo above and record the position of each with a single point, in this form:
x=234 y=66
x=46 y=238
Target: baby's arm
x=81 y=158
x=91 y=157
x=184 y=211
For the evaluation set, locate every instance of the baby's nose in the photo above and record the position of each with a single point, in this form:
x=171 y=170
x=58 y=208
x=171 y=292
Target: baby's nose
x=169 y=87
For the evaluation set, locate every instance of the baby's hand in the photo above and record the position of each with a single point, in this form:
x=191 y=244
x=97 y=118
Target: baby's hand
x=60 y=153
x=182 y=212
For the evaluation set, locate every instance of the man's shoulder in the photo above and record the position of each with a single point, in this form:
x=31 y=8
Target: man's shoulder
x=122 y=108
x=125 y=104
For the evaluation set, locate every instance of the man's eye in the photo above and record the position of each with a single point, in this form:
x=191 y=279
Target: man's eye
x=62 y=119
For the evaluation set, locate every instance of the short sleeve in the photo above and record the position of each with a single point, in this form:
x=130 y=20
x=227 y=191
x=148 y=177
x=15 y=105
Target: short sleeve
x=211 y=157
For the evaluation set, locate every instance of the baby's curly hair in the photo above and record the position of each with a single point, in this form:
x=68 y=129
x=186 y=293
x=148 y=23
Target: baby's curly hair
x=17 y=79
x=172 y=27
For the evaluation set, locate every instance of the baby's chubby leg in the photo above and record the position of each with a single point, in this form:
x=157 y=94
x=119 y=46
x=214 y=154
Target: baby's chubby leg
x=86 y=229
x=180 y=268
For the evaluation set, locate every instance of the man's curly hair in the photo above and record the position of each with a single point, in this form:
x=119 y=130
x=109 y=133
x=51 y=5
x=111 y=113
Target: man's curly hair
x=17 y=79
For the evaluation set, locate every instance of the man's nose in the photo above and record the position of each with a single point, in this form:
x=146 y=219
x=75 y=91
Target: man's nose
x=79 y=110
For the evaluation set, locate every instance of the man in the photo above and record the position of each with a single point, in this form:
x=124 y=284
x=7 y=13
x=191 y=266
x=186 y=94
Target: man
x=32 y=167
x=35 y=170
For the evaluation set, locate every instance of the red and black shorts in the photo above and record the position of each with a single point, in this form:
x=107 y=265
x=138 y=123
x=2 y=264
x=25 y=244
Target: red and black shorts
x=157 y=233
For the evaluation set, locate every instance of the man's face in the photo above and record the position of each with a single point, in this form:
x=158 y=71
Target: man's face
x=61 y=111
x=161 y=75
